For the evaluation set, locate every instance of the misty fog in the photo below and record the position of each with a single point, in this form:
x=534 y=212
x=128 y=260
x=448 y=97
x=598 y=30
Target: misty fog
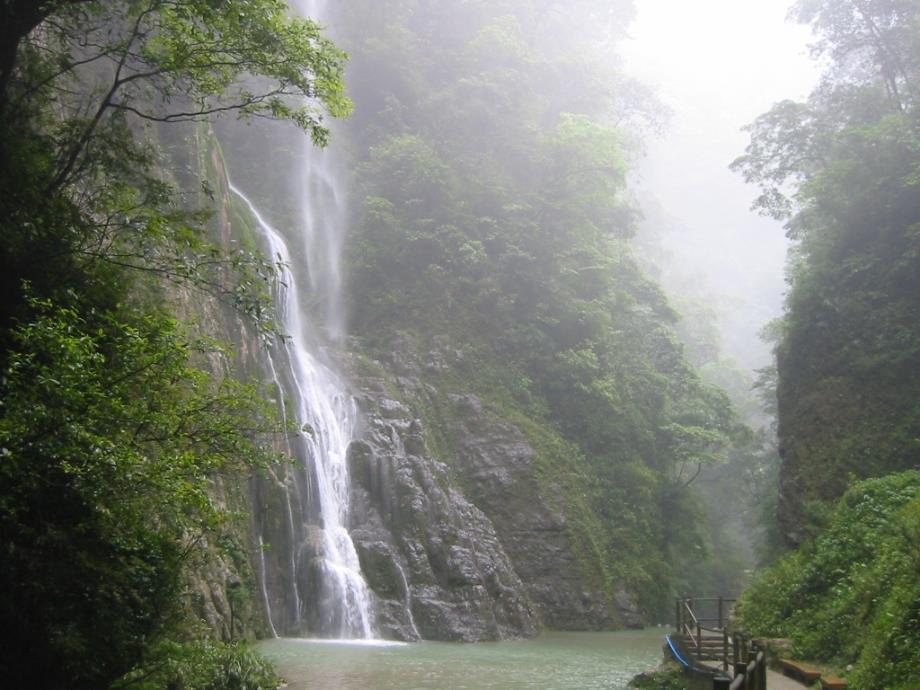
x=716 y=65
x=373 y=322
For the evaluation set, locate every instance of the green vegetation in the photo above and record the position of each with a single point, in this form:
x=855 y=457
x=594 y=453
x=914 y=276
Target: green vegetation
x=202 y=665
x=110 y=444
x=496 y=213
x=850 y=595
x=668 y=678
x=120 y=425
x=491 y=144
x=842 y=170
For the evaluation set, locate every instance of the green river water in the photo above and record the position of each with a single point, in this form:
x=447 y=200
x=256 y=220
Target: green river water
x=553 y=661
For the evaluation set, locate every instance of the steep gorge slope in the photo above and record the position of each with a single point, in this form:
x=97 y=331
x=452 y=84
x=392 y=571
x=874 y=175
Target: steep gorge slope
x=841 y=169
x=490 y=255
x=530 y=425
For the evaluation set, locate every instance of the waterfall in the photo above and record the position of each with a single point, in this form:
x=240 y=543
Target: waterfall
x=326 y=594
x=323 y=213
x=262 y=586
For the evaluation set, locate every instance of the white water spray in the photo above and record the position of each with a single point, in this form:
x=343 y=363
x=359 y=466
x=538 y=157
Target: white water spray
x=323 y=212
x=264 y=588
x=322 y=559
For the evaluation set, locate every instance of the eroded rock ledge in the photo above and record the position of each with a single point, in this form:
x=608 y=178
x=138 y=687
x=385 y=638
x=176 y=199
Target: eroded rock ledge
x=471 y=548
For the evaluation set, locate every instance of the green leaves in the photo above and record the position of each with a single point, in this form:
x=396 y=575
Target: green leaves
x=841 y=170
x=112 y=444
x=785 y=149
x=850 y=595
x=203 y=665
x=874 y=39
x=585 y=174
x=114 y=434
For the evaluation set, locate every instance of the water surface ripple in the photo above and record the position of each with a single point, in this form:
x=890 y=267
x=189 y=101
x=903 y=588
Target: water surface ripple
x=553 y=661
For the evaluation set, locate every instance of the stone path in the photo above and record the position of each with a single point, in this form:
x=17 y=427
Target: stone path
x=777 y=681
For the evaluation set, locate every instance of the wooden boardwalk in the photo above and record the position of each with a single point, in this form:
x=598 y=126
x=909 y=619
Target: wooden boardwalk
x=704 y=644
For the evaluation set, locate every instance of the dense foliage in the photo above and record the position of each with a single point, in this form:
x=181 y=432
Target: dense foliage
x=850 y=595
x=117 y=423
x=843 y=169
x=492 y=142
x=202 y=665
x=110 y=444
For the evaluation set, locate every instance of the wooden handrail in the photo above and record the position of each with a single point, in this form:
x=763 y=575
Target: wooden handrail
x=748 y=664
x=751 y=675
x=689 y=609
x=686 y=617
x=711 y=599
x=713 y=630
x=707 y=638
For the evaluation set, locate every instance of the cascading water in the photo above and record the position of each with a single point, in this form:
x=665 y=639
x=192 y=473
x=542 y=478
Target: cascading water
x=329 y=597
x=314 y=584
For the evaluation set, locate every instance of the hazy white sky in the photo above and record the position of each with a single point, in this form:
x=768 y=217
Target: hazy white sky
x=718 y=64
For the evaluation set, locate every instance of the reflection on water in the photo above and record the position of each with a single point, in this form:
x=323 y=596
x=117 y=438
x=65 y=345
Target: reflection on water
x=554 y=661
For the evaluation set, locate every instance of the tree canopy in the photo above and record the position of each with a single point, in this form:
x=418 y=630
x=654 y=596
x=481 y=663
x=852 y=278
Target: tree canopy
x=118 y=422
x=492 y=150
x=842 y=170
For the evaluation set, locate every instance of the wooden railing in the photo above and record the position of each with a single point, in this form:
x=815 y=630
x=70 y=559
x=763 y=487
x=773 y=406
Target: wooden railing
x=750 y=674
x=706 y=637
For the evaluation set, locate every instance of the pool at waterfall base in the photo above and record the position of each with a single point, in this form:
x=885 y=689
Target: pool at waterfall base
x=552 y=661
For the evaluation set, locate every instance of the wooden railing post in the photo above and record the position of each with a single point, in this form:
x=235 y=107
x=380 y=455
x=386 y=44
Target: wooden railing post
x=741 y=670
x=719 y=683
x=721 y=622
x=724 y=649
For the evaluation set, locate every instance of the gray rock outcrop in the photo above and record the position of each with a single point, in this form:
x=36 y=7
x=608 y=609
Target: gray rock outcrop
x=469 y=550
x=433 y=559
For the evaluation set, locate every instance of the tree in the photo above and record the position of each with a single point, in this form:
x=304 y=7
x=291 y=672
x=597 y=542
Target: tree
x=84 y=85
x=496 y=213
x=842 y=170
x=110 y=443
x=114 y=430
x=867 y=41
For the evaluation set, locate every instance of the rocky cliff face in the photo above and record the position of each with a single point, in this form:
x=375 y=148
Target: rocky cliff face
x=222 y=588
x=463 y=542
x=434 y=559
x=472 y=547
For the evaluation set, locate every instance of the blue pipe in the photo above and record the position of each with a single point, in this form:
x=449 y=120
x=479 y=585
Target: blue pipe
x=675 y=652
